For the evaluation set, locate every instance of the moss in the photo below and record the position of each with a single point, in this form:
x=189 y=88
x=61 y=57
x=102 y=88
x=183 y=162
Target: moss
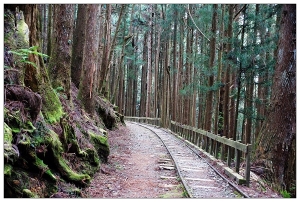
x=8 y=137
x=101 y=145
x=44 y=168
x=69 y=138
x=68 y=173
x=64 y=169
x=22 y=31
x=52 y=108
x=15 y=183
x=93 y=157
x=11 y=153
x=29 y=127
x=28 y=194
x=16 y=122
x=25 y=140
x=7 y=170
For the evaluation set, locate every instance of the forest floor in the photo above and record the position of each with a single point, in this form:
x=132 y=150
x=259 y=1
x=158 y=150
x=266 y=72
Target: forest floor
x=133 y=171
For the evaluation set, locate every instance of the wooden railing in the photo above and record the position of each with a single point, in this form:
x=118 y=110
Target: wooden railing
x=209 y=142
x=152 y=121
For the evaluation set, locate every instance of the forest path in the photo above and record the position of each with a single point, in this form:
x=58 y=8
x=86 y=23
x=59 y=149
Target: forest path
x=134 y=168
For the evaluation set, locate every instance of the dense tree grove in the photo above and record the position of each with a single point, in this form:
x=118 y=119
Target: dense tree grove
x=226 y=68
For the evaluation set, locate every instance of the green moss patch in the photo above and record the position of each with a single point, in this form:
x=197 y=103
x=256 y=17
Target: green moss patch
x=101 y=144
x=51 y=108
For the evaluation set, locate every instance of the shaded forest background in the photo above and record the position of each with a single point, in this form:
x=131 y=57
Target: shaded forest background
x=226 y=68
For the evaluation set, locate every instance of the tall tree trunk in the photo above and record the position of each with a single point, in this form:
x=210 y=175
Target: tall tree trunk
x=143 y=80
x=155 y=105
x=78 y=43
x=250 y=86
x=179 y=116
x=49 y=29
x=212 y=47
x=277 y=143
x=105 y=83
x=86 y=92
x=106 y=48
x=149 y=63
x=239 y=78
x=186 y=96
x=120 y=80
x=101 y=45
x=209 y=98
x=165 y=91
x=219 y=111
x=136 y=71
x=45 y=30
x=60 y=62
x=232 y=101
x=175 y=103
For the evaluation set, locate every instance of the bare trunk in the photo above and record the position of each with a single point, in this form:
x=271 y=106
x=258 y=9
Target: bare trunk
x=143 y=81
x=87 y=82
x=78 y=45
x=106 y=48
x=149 y=64
x=277 y=144
x=209 y=99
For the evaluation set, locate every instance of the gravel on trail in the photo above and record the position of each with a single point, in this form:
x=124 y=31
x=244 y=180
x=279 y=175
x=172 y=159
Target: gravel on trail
x=134 y=168
x=139 y=166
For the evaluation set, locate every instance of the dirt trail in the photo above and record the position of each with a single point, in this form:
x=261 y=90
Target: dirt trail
x=133 y=168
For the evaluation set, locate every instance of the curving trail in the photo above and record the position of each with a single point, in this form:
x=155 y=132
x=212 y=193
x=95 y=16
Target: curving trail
x=150 y=162
x=199 y=179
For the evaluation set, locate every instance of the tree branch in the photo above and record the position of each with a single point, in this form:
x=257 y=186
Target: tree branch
x=188 y=8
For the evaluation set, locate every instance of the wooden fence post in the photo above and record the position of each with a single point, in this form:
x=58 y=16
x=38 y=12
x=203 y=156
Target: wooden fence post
x=237 y=159
x=217 y=149
x=248 y=165
x=229 y=155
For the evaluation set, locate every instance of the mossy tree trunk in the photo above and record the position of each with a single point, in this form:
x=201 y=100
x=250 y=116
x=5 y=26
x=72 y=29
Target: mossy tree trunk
x=60 y=62
x=88 y=76
x=36 y=77
x=276 y=149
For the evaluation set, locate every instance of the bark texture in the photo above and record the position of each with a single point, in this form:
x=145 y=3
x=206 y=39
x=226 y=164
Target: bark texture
x=276 y=150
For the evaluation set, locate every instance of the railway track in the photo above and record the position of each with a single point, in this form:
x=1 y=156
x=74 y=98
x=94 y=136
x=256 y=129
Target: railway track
x=200 y=179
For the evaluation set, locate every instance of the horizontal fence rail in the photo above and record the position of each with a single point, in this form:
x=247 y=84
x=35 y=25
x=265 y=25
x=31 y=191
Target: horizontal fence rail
x=213 y=144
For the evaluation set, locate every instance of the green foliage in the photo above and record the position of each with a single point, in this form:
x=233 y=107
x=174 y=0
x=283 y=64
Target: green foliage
x=24 y=53
x=285 y=194
x=7 y=169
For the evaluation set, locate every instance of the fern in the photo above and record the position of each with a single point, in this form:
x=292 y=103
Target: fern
x=24 y=52
x=285 y=194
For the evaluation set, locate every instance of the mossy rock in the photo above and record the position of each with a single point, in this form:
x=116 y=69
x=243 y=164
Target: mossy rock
x=7 y=170
x=51 y=108
x=39 y=164
x=11 y=152
x=16 y=121
x=28 y=194
x=101 y=144
x=26 y=184
x=62 y=166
